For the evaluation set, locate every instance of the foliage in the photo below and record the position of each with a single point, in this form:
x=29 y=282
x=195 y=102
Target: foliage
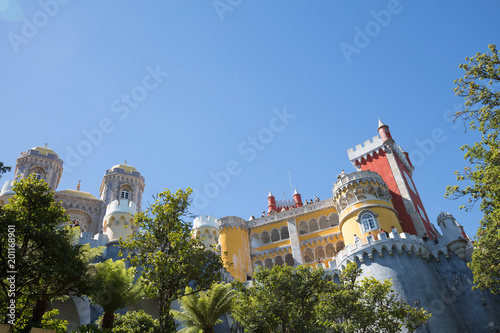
x=89 y=328
x=47 y=264
x=281 y=299
x=136 y=322
x=48 y=322
x=482 y=113
x=3 y=169
x=365 y=306
x=305 y=299
x=114 y=288
x=171 y=259
x=201 y=312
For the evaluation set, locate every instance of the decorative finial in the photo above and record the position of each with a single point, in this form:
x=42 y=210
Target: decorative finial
x=78 y=186
x=46 y=144
x=125 y=162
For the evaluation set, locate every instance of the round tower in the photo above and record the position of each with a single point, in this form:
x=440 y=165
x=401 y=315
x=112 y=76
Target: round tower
x=297 y=198
x=383 y=131
x=205 y=227
x=41 y=161
x=234 y=239
x=122 y=181
x=121 y=191
x=364 y=205
x=452 y=234
x=271 y=202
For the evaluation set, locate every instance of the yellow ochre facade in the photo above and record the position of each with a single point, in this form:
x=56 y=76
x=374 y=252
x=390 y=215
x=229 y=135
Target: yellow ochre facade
x=293 y=233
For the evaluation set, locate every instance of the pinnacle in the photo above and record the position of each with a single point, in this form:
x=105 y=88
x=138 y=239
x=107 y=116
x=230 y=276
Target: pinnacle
x=380 y=123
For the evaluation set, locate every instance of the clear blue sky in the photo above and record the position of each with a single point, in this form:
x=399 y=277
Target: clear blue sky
x=67 y=67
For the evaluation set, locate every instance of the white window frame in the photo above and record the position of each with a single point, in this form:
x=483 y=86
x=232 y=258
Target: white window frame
x=124 y=194
x=362 y=221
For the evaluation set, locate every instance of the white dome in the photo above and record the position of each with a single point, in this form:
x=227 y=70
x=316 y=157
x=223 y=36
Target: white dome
x=7 y=188
x=205 y=221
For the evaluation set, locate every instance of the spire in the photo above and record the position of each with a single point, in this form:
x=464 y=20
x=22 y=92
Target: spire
x=380 y=123
x=296 y=192
x=270 y=194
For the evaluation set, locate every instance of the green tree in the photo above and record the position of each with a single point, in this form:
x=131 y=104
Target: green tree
x=365 y=306
x=136 y=322
x=170 y=258
x=45 y=262
x=481 y=113
x=3 y=169
x=114 y=288
x=281 y=299
x=201 y=312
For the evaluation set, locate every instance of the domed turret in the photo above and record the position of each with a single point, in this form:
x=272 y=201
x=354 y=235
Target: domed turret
x=205 y=227
x=41 y=161
x=364 y=204
x=122 y=181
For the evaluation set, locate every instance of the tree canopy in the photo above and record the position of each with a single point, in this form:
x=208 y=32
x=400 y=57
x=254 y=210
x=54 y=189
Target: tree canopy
x=305 y=299
x=200 y=312
x=115 y=287
x=168 y=255
x=45 y=262
x=481 y=113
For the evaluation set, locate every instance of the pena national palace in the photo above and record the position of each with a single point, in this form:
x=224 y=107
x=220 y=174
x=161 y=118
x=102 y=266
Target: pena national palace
x=375 y=217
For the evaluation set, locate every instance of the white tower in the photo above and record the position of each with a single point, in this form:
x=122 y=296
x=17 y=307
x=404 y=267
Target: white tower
x=121 y=191
x=205 y=227
x=452 y=234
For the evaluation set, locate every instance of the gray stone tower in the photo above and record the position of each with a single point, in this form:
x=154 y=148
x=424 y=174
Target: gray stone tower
x=41 y=161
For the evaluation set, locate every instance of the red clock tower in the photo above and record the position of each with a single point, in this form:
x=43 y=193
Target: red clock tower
x=384 y=156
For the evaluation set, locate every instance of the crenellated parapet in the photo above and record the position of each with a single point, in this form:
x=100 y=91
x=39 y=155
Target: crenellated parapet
x=395 y=244
x=369 y=148
x=291 y=214
x=232 y=222
x=359 y=186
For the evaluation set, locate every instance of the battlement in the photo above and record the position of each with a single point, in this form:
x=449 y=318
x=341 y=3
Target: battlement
x=394 y=244
x=285 y=203
x=365 y=149
x=234 y=221
x=355 y=178
x=292 y=213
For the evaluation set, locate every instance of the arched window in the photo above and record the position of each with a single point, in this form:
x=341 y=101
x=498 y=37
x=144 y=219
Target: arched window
x=275 y=235
x=368 y=221
x=284 y=232
x=323 y=222
x=313 y=225
x=38 y=172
